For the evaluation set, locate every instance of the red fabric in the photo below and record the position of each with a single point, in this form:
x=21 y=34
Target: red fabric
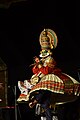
x=59 y=73
x=45 y=70
x=49 y=85
x=35 y=70
x=67 y=86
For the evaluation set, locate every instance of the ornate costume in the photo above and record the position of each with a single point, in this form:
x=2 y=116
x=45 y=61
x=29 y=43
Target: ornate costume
x=54 y=86
x=50 y=84
x=54 y=79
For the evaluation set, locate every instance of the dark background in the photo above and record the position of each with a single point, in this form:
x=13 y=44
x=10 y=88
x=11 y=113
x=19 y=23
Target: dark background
x=20 y=25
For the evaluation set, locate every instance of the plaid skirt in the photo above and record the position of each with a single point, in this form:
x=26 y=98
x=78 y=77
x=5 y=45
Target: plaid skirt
x=61 y=84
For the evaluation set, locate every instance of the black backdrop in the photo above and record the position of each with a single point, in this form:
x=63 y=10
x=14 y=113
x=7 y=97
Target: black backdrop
x=20 y=27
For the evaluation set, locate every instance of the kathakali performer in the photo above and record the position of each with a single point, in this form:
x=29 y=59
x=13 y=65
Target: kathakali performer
x=48 y=83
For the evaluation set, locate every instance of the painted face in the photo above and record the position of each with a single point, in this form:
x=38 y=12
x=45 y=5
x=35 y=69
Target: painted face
x=45 y=43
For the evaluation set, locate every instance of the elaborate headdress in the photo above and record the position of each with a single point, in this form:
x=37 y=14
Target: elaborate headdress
x=48 y=40
x=50 y=36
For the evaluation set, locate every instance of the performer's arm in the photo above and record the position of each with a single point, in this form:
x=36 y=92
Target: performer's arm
x=35 y=69
x=45 y=70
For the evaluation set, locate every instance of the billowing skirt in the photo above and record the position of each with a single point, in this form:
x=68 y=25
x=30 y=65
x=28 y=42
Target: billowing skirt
x=63 y=87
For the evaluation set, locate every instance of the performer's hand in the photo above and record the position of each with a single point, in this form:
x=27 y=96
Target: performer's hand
x=37 y=60
x=32 y=104
x=35 y=66
x=39 y=66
